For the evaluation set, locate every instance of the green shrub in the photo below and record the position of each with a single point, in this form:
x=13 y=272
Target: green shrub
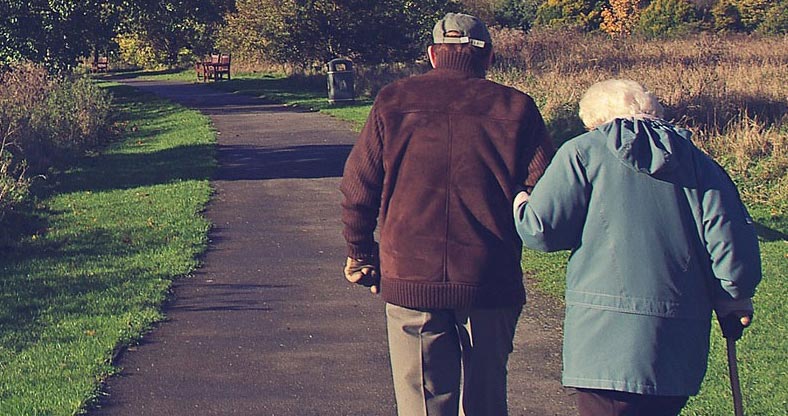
x=45 y=121
x=775 y=22
x=666 y=18
x=752 y=12
x=585 y=14
x=137 y=52
x=73 y=117
x=14 y=185
x=52 y=119
x=726 y=16
x=516 y=14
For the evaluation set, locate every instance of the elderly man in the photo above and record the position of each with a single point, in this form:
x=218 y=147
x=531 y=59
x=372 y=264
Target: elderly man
x=659 y=238
x=438 y=162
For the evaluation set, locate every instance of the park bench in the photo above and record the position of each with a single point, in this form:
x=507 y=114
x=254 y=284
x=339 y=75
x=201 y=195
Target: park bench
x=100 y=64
x=213 y=67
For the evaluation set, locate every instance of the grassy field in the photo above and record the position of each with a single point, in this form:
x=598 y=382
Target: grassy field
x=730 y=92
x=104 y=241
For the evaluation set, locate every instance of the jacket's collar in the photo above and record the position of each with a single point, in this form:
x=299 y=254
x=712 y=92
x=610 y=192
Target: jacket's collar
x=459 y=62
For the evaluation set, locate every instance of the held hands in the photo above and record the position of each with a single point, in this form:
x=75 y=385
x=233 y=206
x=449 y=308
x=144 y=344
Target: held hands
x=520 y=198
x=521 y=195
x=364 y=272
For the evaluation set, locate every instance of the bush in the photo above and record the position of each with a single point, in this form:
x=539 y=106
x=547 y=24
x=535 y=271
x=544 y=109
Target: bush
x=72 y=118
x=137 y=52
x=509 y=44
x=14 y=185
x=45 y=121
x=620 y=17
x=665 y=18
x=584 y=14
x=516 y=14
x=775 y=22
x=752 y=12
x=726 y=16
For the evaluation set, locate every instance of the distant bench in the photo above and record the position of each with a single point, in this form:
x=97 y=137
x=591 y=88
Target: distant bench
x=100 y=64
x=213 y=67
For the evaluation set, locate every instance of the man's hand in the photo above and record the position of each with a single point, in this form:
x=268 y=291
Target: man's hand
x=733 y=324
x=364 y=272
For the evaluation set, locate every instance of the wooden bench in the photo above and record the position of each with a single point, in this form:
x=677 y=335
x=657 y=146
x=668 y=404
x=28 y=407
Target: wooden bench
x=100 y=64
x=222 y=68
x=213 y=67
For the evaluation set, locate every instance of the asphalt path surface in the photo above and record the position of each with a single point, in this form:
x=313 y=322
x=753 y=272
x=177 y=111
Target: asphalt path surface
x=267 y=325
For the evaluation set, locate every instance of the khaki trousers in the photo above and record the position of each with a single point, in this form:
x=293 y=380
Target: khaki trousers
x=441 y=358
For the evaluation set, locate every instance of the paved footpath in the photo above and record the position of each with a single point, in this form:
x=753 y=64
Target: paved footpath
x=267 y=325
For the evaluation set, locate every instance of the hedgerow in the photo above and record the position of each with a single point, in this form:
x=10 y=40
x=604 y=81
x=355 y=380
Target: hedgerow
x=45 y=122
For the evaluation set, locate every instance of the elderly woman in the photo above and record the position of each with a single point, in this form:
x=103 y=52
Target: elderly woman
x=659 y=238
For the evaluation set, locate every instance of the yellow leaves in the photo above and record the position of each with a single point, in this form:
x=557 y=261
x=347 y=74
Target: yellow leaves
x=620 y=17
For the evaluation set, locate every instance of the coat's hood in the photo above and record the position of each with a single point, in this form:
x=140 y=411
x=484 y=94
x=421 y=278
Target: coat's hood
x=646 y=145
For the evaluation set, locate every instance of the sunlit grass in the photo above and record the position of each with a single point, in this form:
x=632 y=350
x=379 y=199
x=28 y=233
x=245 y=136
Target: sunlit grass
x=110 y=235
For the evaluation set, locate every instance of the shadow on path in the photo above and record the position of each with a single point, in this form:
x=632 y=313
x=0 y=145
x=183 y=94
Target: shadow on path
x=254 y=163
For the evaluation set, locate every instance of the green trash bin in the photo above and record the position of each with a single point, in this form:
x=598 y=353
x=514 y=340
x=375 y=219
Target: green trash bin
x=340 y=81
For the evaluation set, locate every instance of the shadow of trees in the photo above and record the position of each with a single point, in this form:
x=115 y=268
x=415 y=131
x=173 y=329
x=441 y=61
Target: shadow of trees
x=293 y=162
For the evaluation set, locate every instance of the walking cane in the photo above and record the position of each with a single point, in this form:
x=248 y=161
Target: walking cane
x=733 y=371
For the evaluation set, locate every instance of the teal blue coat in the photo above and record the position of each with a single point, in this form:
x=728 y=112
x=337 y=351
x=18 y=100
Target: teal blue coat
x=658 y=233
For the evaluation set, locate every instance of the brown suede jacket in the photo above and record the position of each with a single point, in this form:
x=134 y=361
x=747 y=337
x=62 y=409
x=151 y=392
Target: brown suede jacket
x=438 y=161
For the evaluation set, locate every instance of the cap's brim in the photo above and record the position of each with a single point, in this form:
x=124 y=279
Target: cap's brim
x=465 y=39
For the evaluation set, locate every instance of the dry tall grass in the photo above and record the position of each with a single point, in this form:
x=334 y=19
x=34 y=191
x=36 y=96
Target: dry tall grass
x=731 y=91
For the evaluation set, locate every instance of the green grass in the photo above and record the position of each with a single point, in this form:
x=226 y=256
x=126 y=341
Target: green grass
x=763 y=355
x=106 y=240
x=309 y=93
x=304 y=92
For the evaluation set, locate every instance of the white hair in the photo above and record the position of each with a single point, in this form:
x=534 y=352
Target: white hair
x=608 y=100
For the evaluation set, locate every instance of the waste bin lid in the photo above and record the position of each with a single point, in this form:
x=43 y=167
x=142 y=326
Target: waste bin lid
x=340 y=65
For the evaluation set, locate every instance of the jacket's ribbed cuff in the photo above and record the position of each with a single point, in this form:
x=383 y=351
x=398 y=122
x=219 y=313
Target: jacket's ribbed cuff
x=724 y=307
x=362 y=251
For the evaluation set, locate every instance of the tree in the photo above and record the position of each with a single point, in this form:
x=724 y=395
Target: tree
x=666 y=18
x=775 y=22
x=308 y=32
x=726 y=16
x=518 y=14
x=53 y=32
x=752 y=12
x=620 y=17
x=584 y=14
x=59 y=32
x=171 y=27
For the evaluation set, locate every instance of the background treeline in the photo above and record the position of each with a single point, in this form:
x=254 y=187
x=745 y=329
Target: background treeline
x=306 y=33
x=302 y=33
x=48 y=114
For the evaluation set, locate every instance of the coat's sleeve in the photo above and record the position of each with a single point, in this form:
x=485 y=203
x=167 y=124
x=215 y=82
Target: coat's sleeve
x=555 y=213
x=540 y=148
x=361 y=187
x=730 y=237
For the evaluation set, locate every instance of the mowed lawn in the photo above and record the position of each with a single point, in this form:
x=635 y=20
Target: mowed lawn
x=98 y=253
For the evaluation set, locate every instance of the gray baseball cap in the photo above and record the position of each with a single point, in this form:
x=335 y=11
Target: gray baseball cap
x=470 y=28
